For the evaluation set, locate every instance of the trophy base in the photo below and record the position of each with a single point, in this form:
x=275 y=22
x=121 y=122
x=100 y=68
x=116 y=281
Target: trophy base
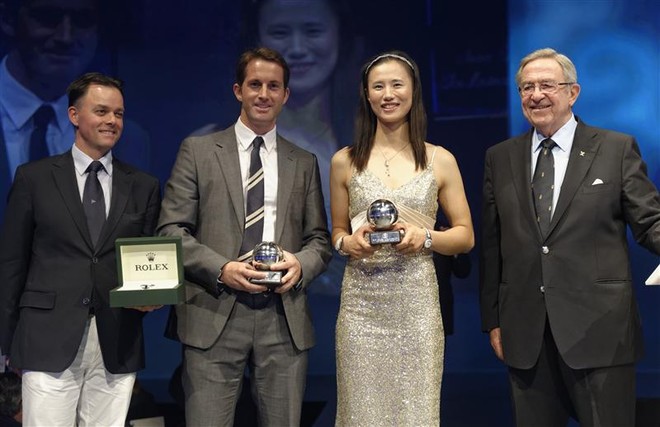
x=273 y=279
x=383 y=237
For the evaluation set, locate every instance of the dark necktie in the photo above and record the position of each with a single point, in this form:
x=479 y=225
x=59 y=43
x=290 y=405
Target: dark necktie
x=40 y=120
x=254 y=212
x=543 y=184
x=93 y=201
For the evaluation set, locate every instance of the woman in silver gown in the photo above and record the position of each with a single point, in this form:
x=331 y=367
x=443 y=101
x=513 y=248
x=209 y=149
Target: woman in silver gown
x=389 y=337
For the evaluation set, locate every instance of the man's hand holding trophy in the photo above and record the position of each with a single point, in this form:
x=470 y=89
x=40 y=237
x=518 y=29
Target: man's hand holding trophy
x=282 y=269
x=265 y=255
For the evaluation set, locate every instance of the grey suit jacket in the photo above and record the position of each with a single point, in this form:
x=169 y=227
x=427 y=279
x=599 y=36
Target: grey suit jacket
x=579 y=275
x=203 y=203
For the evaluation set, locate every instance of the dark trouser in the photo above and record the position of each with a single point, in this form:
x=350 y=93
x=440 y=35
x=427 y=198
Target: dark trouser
x=551 y=392
x=260 y=339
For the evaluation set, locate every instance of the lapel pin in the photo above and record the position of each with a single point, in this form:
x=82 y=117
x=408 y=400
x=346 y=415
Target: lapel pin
x=581 y=153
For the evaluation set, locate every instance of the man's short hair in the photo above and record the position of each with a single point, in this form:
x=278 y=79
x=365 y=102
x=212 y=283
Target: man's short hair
x=78 y=88
x=264 y=53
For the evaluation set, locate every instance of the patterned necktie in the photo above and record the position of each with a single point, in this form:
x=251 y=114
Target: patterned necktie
x=93 y=201
x=254 y=212
x=543 y=184
x=40 y=120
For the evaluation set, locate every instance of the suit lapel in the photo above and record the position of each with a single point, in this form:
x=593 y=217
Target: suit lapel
x=286 y=172
x=64 y=176
x=521 y=160
x=122 y=182
x=584 y=149
x=230 y=167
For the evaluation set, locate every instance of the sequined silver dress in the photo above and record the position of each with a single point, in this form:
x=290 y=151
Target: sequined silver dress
x=389 y=336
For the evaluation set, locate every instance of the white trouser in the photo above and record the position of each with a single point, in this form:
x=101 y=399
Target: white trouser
x=85 y=394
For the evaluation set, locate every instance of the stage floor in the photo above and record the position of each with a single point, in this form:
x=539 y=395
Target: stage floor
x=468 y=400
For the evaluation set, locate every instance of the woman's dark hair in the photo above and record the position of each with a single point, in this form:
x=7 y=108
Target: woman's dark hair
x=365 y=123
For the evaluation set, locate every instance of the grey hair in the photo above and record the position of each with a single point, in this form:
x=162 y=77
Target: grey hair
x=570 y=73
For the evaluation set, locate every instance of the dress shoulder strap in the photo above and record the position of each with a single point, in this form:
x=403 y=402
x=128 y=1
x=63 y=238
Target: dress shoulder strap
x=435 y=147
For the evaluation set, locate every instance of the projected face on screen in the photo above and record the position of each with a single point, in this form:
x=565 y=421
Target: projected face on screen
x=54 y=40
x=306 y=33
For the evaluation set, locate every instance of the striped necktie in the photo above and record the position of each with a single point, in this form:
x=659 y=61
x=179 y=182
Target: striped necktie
x=254 y=211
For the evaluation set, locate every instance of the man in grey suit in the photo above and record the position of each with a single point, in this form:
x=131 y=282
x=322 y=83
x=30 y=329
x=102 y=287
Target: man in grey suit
x=228 y=322
x=557 y=295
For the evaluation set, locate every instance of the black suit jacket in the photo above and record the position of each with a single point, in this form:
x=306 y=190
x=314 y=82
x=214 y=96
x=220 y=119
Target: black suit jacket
x=49 y=270
x=579 y=275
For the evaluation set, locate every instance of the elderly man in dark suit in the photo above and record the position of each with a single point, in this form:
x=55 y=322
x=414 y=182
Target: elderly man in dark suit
x=557 y=295
x=57 y=266
x=228 y=321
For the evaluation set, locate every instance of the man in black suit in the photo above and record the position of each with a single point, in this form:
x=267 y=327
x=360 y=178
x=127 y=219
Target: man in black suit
x=57 y=266
x=557 y=295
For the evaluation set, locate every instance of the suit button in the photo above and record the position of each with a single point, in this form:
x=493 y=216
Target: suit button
x=545 y=250
x=86 y=301
x=542 y=288
x=95 y=260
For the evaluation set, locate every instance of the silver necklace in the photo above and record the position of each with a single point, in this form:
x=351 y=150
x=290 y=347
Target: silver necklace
x=387 y=161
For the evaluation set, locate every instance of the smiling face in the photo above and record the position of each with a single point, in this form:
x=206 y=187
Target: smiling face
x=55 y=39
x=262 y=95
x=547 y=112
x=306 y=33
x=99 y=119
x=390 y=91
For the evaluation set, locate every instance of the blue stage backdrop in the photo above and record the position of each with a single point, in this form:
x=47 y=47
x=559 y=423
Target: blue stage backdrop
x=177 y=60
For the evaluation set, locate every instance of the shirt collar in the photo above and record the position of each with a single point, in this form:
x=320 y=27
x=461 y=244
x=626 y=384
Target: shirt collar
x=245 y=136
x=563 y=137
x=24 y=103
x=81 y=161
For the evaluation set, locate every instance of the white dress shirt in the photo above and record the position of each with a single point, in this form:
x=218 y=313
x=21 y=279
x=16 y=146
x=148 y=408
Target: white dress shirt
x=17 y=106
x=268 y=154
x=564 y=140
x=81 y=162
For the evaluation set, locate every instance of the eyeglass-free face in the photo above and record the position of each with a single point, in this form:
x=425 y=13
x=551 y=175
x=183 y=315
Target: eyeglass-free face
x=306 y=33
x=390 y=91
x=56 y=38
x=262 y=95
